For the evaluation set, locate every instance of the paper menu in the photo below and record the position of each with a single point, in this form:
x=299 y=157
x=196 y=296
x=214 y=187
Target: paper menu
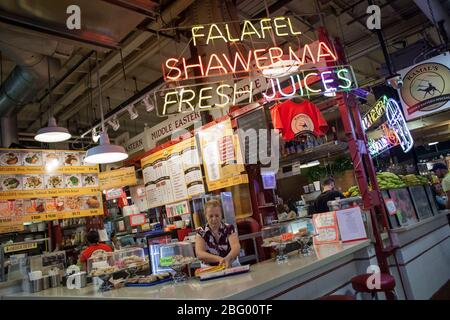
x=326 y=219
x=351 y=225
x=326 y=228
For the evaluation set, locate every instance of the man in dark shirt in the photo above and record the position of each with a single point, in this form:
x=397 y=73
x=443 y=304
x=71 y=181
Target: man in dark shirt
x=328 y=194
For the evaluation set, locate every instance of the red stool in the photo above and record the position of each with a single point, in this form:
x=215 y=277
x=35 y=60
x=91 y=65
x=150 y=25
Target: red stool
x=341 y=297
x=387 y=284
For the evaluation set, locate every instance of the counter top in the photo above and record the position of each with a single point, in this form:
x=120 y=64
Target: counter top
x=262 y=277
x=440 y=215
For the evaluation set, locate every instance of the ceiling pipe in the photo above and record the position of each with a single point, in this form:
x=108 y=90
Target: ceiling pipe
x=30 y=73
x=438 y=15
x=113 y=59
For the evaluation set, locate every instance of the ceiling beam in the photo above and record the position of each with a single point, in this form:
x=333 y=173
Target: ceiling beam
x=133 y=42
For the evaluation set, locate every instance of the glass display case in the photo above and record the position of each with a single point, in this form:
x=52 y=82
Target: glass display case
x=105 y=263
x=278 y=236
x=176 y=256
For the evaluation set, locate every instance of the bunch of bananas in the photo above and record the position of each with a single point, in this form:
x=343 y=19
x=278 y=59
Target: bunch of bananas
x=353 y=191
x=389 y=180
x=414 y=180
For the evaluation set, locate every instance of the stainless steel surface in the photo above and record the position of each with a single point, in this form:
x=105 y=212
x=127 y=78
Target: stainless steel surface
x=83 y=279
x=36 y=285
x=45 y=282
x=55 y=281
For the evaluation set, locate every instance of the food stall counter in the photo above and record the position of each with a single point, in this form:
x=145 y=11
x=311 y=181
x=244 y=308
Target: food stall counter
x=265 y=280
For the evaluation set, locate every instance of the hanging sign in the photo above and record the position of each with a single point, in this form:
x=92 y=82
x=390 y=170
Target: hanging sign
x=19 y=247
x=170 y=126
x=135 y=144
x=117 y=178
x=426 y=87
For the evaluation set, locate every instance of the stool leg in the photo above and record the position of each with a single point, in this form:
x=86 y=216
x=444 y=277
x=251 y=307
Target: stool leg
x=390 y=295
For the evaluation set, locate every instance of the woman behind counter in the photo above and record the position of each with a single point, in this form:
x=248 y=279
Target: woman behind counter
x=217 y=242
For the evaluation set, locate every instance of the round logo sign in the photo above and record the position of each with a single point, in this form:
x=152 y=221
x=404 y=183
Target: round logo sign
x=423 y=84
x=301 y=123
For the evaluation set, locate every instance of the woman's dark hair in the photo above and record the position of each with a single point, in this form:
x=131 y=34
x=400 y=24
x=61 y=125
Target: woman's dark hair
x=93 y=237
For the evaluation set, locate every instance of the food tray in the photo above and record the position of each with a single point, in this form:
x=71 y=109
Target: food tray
x=148 y=284
x=225 y=273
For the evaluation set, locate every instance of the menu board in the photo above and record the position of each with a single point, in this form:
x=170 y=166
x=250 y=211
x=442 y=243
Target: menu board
x=172 y=174
x=326 y=228
x=222 y=156
x=117 y=178
x=41 y=185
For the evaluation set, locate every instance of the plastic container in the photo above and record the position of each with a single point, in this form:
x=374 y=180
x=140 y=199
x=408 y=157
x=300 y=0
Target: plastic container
x=110 y=262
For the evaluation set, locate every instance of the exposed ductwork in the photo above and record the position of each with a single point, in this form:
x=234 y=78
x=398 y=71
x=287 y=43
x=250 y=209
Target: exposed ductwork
x=30 y=72
x=29 y=75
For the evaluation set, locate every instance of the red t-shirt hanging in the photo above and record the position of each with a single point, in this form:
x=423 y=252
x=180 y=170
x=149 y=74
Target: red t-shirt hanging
x=292 y=118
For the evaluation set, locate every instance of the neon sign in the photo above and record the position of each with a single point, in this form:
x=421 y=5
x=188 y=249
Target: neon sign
x=246 y=64
x=220 y=94
x=395 y=130
x=175 y=69
x=248 y=30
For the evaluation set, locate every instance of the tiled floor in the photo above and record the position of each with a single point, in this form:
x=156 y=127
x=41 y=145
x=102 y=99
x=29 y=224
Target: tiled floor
x=443 y=293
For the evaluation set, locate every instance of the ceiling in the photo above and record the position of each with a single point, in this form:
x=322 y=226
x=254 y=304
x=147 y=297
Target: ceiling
x=74 y=97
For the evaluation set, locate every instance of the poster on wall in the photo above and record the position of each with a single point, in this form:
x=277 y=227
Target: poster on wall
x=172 y=174
x=426 y=87
x=43 y=185
x=222 y=157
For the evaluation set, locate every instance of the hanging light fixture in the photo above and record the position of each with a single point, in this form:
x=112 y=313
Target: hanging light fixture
x=133 y=112
x=105 y=152
x=149 y=105
x=51 y=133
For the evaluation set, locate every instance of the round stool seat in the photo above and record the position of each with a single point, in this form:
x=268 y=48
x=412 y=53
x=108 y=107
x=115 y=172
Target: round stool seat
x=337 y=297
x=387 y=283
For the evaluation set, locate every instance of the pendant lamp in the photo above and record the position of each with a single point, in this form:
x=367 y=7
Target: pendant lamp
x=51 y=133
x=104 y=152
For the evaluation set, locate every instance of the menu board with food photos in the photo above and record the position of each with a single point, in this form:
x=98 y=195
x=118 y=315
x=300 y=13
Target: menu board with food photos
x=172 y=174
x=40 y=185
